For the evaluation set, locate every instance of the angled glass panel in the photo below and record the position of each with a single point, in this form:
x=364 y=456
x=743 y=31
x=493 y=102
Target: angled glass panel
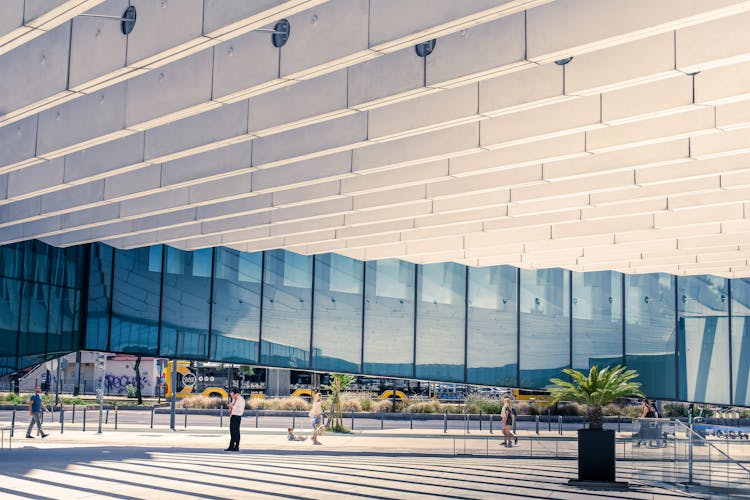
x=57 y=266
x=135 y=300
x=492 y=341
x=441 y=321
x=389 y=318
x=741 y=341
x=597 y=319
x=36 y=263
x=54 y=320
x=545 y=325
x=185 y=303
x=10 y=310
x=235 y=324
x=35 y=302
x=11 y=260
x=74 y=266
x=287 y=305
x=650 y=332
x=69 y=310
x=703 y=329
x=99 y=297
x=337 y=315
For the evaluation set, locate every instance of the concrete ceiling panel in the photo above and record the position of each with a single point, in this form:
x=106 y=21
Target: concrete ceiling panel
x=229 y=160
x=307 y=99
x=307 y=193
x=337 y=164
x=104 y=158
x=170 y=89
x=11 y=16
x=388 y=77
x=395 y=177
x=713 y=43
x=424 y=112
x=244 y=62
x=142 y=180
x=723 y=84
x=221 y=188
x=35 y=178
x=535 y=86
x=61 y=127
x=35 y=71
x=163 y=25
x=648 y=99
x=155 y=202
x=18 y=141
x=720 y=144
x=482 y=50
x=324 y=34
x=82 y=194
x=240 y=206
x=91 y=215
x=34 y=9
x=97 y=46
x=212 y=126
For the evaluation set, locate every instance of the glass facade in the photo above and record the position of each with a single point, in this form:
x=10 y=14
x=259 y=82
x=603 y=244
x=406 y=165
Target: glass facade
x=688 y=337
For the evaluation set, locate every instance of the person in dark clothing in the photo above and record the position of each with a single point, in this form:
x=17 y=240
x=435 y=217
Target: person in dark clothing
x=236 y=409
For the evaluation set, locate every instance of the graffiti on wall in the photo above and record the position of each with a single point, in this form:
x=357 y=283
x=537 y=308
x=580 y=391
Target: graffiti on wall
x=117 y=382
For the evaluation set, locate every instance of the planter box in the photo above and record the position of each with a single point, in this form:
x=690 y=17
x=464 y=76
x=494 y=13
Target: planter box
x=596 y=455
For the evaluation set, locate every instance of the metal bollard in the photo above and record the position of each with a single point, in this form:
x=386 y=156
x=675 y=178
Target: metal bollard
x=62 y=419
x=618 y=423
x=490 y=423
x=116 y=414
x=466 y=419
x=559 y=424
x=73 y=415
x=13 y=423
x=536 y=422
x=294 y=418
x=152 y=417
x=185 y=417
x=381 y=421
x=445 y=421
x=221 y=418
x=106 y=418
x=84 y=418
x=411 y=420
x=256 y=419
x=352 y=419
x=480 y=420
x=549 y=420
x=52 y=418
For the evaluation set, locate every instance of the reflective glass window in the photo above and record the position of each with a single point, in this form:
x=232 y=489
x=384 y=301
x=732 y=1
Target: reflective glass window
x=34 y=314
x=337 y=314
x=186 y=303
x=10 y=302
x=287 y=308
x=741 y=341
x=58 y=264
x=545 y=325
x=597 y=319
x=235 y=324
x=492 y=351
x=69 y=326
x=441 y=321
x=74 y=267
x=389 y=318
x=703 y=329
x=99 y=296
x=135 y=301
x=650 y=332
x=36 y=261
x=54 y=320
x=11 y=259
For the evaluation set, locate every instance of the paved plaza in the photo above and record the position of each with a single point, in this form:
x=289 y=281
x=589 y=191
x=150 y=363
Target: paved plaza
x=133 y=464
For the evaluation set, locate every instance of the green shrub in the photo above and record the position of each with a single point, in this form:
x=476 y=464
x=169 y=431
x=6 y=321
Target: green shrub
x=131 y=390
x=425 y=407
x=201 y=401
x=674 y=410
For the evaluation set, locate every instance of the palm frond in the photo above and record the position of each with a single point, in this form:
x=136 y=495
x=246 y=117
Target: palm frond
x=598 y=387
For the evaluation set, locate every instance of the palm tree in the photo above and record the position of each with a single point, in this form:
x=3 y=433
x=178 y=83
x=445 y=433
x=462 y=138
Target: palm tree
x=339 y=382
x=596 y=389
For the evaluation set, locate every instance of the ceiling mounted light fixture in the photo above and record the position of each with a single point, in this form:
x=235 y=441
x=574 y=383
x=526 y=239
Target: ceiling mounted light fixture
x=564 y=61
x=127 y=20
x=424 y=49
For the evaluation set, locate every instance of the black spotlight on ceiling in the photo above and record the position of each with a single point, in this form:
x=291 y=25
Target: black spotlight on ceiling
x=281 y=33
x=424 y=49
x=127 y=20
x=563 y=62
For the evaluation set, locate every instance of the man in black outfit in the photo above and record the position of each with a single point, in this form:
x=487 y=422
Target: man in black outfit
x=236 y=409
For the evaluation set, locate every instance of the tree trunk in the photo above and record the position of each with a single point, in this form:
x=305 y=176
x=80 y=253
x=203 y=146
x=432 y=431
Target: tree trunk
x=137 y=368
x=596 y=418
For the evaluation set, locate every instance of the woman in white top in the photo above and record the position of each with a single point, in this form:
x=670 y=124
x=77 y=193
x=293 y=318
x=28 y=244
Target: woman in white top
x=507 y=421
x=316 y=414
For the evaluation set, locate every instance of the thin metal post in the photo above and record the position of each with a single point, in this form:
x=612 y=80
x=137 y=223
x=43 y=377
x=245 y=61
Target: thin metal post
x=690 y=451
x=559 y=424
x=62 y=419
x=490 y=423
x=152 y=417
x=549 y=420
x=445 y=421
x=536 y=423
x=116 y=414
x=13 y=423
x=480 y=420
x=618 y=423
x=256 y=419
x=186 y=417
x=411 y=420
x=381 y=421
x=221 y=418
x=466 y=420
x=106 y=417
x=173 y=390
x=73 y=415
x=84 y=418
x=352 y=420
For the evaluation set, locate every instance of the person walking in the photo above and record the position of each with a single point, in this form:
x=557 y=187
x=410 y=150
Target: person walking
x=507 y=421
x=36 y=407
x=316 y=414
x=236 y=409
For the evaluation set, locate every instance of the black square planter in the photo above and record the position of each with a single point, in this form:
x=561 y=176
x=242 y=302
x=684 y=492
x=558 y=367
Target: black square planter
x=596 y=455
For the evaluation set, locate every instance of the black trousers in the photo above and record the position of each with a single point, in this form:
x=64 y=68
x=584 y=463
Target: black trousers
x=234 y=431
